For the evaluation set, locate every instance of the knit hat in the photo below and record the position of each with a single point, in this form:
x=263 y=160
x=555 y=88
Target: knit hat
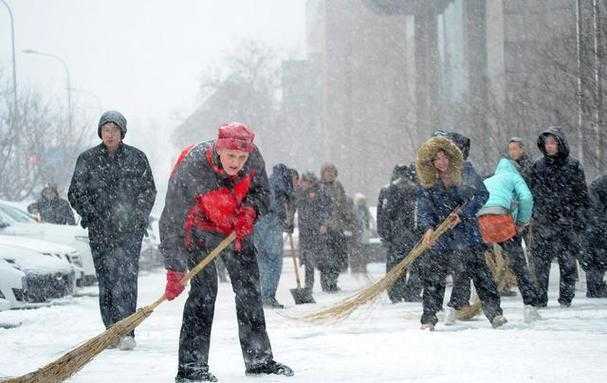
x=235 y=136
x=115 y=117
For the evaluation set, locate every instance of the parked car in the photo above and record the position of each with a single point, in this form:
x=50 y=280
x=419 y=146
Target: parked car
x=46 y=249
x=46 y=277
x=16 y=222
x=11 y=286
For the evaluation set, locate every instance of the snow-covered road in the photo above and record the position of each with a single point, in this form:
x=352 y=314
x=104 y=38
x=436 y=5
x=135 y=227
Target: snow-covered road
x=380 y=343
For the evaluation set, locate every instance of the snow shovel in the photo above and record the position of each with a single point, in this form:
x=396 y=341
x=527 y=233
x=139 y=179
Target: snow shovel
x=300 y=295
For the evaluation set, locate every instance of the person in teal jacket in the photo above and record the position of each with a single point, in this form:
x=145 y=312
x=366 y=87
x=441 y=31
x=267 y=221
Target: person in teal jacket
x=510 y=195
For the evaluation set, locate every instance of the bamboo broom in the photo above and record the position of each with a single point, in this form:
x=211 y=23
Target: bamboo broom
x=349 y=305
x=70 y=363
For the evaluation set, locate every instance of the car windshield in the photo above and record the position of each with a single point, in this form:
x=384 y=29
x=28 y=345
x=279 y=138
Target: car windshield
x=13 y=215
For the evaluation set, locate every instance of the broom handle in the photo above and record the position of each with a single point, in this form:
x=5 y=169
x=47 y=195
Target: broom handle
x=201 y=265
x=212 y=255
x=294 y=260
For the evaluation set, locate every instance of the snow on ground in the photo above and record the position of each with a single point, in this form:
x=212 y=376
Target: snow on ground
x=380 y=343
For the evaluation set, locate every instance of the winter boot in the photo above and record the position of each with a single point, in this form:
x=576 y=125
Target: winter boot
x=202 y=377
x=498 y=321
x=427 y=327
x=127 y=343
x=272 y=303
x=450 y=316
x=114 y=344
x=530 y=314
x=270 y=368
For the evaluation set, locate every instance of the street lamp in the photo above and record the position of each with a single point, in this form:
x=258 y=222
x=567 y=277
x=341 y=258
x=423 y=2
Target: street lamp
x=67 y=76
x=10 y=12
x=91 y=95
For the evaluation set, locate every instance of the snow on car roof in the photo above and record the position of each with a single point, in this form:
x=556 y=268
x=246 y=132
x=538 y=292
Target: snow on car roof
x=35 y=244
x=32 y=262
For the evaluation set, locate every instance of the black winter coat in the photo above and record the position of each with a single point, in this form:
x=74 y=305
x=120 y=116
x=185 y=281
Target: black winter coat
x=396 y=209
x=313 y=211
x=282 y=193
x=559 y=189
x=597 y=225
x=113 y=194
x=56 y=210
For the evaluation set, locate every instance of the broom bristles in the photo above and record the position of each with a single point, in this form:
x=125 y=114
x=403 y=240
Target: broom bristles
x=346 y=307
x=74 y=360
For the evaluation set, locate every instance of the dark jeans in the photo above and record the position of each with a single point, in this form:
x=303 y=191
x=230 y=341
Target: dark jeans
x=117 y=267
x=195 y=337
x=564 y=247
x=269 y=244
x=434 y=267
x=513 y=249
x=461 y=291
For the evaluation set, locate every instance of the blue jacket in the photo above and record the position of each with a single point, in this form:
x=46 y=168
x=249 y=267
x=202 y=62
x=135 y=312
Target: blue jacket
x=282 y=192
x=508 y=190
x=435 y=203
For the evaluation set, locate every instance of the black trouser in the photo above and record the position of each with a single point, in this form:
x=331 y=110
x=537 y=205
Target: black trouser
x=328 y=278
x=461 y=291
x=334 y=261
x=513 y=249
x=434 y=267
x=199 y=308
x=564 y=247
x=309 y=271
x=405 y=288
x=312 y=246
x=595 y=285
x=117 y=267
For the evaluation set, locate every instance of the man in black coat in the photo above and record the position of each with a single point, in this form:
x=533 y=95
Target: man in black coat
x=51 y=208
x=396 y=227
x=113 y=190
x=217 y=187
x=561 y=201
x=517 y=152
x=313 y=215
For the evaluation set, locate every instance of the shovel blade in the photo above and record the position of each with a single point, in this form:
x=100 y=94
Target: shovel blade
x=302 y=296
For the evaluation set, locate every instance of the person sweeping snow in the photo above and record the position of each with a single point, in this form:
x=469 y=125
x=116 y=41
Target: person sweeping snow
x=441 y=194
x=503 y=219
x=217 y=187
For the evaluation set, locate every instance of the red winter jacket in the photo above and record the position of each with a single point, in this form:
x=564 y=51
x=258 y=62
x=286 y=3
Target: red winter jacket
x=198 y=182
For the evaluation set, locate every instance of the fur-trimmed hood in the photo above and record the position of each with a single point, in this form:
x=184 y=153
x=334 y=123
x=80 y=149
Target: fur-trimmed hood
x=427 y=174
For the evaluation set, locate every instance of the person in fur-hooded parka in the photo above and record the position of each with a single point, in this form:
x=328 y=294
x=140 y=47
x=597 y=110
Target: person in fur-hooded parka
x=442 y=194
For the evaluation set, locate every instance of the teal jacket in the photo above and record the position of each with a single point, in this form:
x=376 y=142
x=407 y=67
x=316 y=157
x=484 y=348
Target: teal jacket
x=508 y=190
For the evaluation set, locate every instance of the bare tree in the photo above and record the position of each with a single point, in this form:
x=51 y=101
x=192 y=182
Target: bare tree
x=244 y=87
x=33 y=149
